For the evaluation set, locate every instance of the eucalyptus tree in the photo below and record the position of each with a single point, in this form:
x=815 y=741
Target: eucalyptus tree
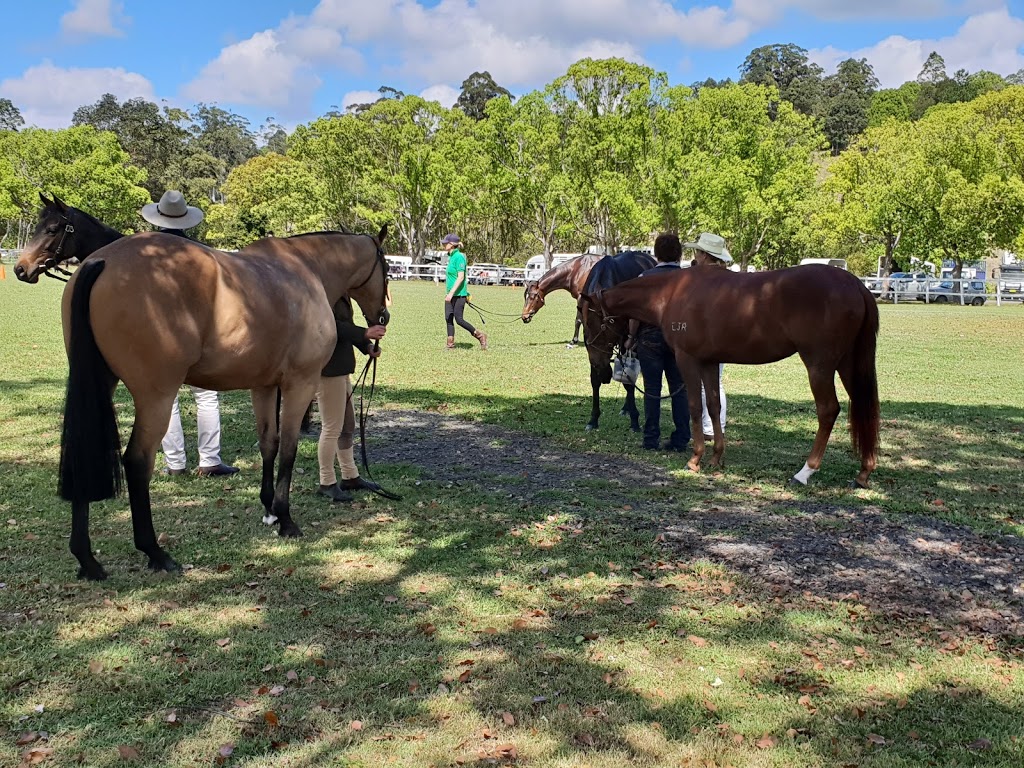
x=604 y=110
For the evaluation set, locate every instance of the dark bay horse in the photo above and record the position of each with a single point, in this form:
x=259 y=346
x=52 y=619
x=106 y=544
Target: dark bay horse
x=155 y=311
x=568 y=276
x=601 y=338
x=62 y=233
x=711 y=316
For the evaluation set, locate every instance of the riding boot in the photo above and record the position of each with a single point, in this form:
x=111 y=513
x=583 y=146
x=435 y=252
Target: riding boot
x=451 y=343
x=482 y=338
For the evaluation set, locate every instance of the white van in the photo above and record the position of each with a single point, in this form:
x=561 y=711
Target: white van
x=535 y=264
x=398 y=267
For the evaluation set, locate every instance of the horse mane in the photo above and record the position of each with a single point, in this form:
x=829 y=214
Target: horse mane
x=612 y=270
x=342 y=231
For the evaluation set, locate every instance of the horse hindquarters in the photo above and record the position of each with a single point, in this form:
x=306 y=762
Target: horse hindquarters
x=90 y=449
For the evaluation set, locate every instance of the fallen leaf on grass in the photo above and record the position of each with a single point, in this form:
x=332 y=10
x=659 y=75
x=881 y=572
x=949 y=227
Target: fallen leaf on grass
x=226 y=750
x=36 y=755
x=95 y=667
x=979 y=745
x=356 y=725
x=507 y=751
x=390 y=599
x=271 y=719
x=519 y=624
x=700 y=642
x=27 y=738
x=874 y=738
x=292 y=675
x=128 y=753
x=508 y=718
x=172 y=718
x=428 y=629
x=766 y=742
x=224 y=642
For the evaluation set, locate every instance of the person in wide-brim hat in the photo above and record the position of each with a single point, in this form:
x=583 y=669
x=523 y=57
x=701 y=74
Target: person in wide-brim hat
x=713 y=245
x=172 y=212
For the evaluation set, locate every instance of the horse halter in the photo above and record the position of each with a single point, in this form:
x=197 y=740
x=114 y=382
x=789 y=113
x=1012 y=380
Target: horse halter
x=54 y=261
x=383 y=263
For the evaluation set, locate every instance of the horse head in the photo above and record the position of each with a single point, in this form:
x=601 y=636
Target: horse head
x=371 y=294
x=51 y=241
x=533 y=298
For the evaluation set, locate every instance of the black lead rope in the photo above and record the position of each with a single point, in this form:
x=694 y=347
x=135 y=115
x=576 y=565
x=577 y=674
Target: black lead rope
x=364 y=407
x=481 y=311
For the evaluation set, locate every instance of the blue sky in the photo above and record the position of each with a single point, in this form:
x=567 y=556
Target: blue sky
x=294 y=59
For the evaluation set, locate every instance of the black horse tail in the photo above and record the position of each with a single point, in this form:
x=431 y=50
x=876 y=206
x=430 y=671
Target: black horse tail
x=90 y=446
x=864 y=409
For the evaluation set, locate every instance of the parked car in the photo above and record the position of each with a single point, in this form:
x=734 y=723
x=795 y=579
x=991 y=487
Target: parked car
x=948 y=291
x=907 y=286
x=485 y=274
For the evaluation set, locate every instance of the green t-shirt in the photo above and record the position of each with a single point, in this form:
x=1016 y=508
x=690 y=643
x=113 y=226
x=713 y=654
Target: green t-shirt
x=456 y=264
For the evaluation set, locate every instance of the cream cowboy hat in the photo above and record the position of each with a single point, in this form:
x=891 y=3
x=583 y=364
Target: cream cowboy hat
x=172 y=212
x=713 y=244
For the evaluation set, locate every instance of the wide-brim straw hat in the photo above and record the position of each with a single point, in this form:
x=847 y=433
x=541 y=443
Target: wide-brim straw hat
x=713 y=244
x=172 y=212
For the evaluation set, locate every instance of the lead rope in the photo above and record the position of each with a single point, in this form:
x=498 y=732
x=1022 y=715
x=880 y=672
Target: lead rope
x=364 y=409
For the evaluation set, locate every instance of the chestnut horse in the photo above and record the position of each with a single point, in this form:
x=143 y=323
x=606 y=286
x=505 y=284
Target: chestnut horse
x=156 y=311
x=711 y=316
x=568 y=276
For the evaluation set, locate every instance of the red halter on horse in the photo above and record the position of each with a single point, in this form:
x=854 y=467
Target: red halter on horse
x=711 y=316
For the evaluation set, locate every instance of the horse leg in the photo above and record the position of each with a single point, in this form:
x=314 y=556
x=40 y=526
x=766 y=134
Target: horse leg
x=709 y=377
x=595 y=401
x=293 y=402
x=823 y=387
x=576 y=328
x=629 y=408
x=81 y=545
x=689 y=369
x=848 y=375
x=265 y=407
x=151 y=417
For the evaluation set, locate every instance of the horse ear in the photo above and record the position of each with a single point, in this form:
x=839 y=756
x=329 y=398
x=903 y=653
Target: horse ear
x=43 y=198
x=382 y=234
x=60 y=204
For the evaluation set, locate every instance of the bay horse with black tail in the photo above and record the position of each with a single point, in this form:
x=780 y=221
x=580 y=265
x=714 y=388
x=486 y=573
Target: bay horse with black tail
x=601 y=338
x=568 y=276
x=156 y=311
x=711 y=316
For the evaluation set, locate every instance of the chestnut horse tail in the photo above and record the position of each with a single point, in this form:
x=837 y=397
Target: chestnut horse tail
x=90 y=447
x=864 y=409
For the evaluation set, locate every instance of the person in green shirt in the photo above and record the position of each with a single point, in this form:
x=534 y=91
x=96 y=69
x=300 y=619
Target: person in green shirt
x=457 y=292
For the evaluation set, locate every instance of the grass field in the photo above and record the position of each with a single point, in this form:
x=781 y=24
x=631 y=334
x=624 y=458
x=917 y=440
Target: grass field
x=458 y=628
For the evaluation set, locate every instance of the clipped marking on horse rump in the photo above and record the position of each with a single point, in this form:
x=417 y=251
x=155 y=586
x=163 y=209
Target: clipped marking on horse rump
x=679 y=327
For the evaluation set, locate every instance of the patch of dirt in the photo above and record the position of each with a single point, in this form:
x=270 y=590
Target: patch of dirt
x=910 y=567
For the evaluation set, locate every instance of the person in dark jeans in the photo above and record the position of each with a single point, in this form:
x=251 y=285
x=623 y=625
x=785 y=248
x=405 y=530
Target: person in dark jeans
x=657 y=360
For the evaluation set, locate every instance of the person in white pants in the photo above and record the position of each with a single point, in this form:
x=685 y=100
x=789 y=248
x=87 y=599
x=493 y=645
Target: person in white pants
x=173 y=216
x=208 y=408
x=711 y=252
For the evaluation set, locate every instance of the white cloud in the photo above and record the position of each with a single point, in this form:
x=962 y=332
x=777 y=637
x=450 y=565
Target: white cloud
x=48 y=95
x=358 y=97
x=444 y=95
x=991 y=40
x=93 y=18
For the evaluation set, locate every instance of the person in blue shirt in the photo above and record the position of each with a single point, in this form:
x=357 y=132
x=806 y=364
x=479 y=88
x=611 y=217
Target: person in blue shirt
x=457 y=292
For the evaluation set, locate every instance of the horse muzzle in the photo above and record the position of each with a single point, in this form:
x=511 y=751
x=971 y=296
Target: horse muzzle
x=385 y=316
x=527 y=318
x=24 y=275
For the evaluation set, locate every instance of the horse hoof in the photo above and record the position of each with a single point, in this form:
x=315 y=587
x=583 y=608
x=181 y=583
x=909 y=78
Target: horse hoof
x=164 y=562
x=795 y=483
x=93 y=572
x=634 y=428
x=289 y=531
x=269 y=519
x=859 y=484
x=590 y=427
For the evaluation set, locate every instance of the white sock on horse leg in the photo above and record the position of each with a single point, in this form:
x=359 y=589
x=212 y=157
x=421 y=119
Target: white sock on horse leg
x=269 y=519
x=804 y=474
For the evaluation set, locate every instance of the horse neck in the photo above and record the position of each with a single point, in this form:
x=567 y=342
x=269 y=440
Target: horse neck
x=95 y=235
x=337 y=260
x=559 y=279
x=635 y=302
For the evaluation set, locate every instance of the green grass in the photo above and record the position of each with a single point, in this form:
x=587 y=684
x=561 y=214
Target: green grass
x=455 y=623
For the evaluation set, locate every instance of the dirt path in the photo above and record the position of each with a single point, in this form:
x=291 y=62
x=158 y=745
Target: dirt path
x=909 y=567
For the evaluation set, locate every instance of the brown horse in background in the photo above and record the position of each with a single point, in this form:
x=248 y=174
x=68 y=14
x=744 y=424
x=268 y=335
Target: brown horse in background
x=155 y=311
x=568 y=276
x=711 y=316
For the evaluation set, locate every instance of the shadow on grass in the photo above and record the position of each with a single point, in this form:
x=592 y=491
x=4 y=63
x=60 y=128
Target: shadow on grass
x=386 y=606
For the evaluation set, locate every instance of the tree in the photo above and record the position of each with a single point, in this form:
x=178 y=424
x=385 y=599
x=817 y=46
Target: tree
x=85 y=167
x=268 y=193
x=478 y=89
x=847 y=96
x=223 y=135
x=155 y=139
x=888 y=104
x=10 y=116
x=787 y=69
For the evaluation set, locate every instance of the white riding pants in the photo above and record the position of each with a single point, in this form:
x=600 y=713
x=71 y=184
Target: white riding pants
x=208 y=418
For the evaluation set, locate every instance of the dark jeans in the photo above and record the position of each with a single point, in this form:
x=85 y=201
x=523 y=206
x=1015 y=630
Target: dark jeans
x=657 y=359
x=453 y=312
